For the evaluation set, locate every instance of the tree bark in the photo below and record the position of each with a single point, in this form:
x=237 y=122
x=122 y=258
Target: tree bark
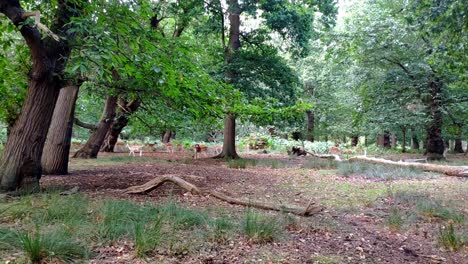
x=229 y=143
x=386 y=140
x=435 y=143
x=57 y=146
x=91 y=149
x=20 y=164
x=354 y=140
x=112 y=136
x=310 y=125
x=403 y=141
x=458 y=146
x=414 y=140
x=167 y=136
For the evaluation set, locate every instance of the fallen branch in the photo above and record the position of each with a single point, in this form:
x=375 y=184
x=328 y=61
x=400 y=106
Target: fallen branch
x=459 y=171
x=311 y=208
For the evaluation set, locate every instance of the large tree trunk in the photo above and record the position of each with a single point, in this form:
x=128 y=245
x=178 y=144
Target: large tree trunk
x=229 y=143
x=91 y=149
x=310 y=125
x=435 y=143
x=414 y=140
x=167 y=136
x=57 y=146
x=386 y=140
x=126 y=109
x=20 y=164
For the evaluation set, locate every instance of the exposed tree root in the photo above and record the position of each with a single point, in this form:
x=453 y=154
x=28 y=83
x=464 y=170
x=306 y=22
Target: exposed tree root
x=459 y=171
x=311 y=208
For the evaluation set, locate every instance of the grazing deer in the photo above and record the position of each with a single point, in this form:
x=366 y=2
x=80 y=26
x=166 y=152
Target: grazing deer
x=198 y=148
x=179 y=147
x=335 y=150
x=135 y=148
x=169 y=147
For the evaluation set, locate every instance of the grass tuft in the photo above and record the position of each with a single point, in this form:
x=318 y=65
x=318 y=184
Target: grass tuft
x=449 y=239
x=319 y=164
x=395 y=219
x=435 y=209
x=260 y=228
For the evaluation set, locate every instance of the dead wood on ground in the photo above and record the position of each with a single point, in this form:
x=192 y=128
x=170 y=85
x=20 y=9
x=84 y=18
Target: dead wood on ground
x=311 y=208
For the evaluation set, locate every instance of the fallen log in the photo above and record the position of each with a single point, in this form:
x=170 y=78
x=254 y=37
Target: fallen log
x=311 y=208
x=459 y=171
x=325 y=156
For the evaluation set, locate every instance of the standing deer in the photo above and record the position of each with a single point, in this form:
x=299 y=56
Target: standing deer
x=198 y=148
x=135 y=148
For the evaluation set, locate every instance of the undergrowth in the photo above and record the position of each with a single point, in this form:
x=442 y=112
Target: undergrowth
x=66 y=228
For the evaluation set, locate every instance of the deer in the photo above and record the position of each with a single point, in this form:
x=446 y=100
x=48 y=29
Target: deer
x=335 y=150
x=198 y=148
x=169 y=147
x=135 y=148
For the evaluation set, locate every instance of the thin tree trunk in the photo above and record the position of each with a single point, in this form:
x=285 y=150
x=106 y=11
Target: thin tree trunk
x=354 y=140
x=91 y=149
x=310 y=125
x=403 y=142
x=20 y=163
x=414 y=140
x=435 y=143
x=57 y=146
x=229 y=143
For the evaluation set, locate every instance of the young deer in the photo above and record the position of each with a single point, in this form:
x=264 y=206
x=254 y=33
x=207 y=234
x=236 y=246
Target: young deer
x=135 y=148
x=198 y=148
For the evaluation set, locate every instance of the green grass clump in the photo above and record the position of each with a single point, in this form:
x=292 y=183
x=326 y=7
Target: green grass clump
x=434 y=209
x=39 y=246
x=449 y=239
x=147 y=236
x=182 y=218
x=316 y=163
x=260 y=228
x=59 y=209
x=395 y=219
x=382 y=172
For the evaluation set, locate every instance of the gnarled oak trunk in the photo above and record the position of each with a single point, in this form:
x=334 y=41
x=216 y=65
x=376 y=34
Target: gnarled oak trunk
x=91 y=149
x=57 y=146
x=20 y=164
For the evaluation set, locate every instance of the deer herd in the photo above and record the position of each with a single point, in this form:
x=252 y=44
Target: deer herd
x=198 y=149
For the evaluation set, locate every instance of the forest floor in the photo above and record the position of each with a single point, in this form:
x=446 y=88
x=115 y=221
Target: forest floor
x=372 y=214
